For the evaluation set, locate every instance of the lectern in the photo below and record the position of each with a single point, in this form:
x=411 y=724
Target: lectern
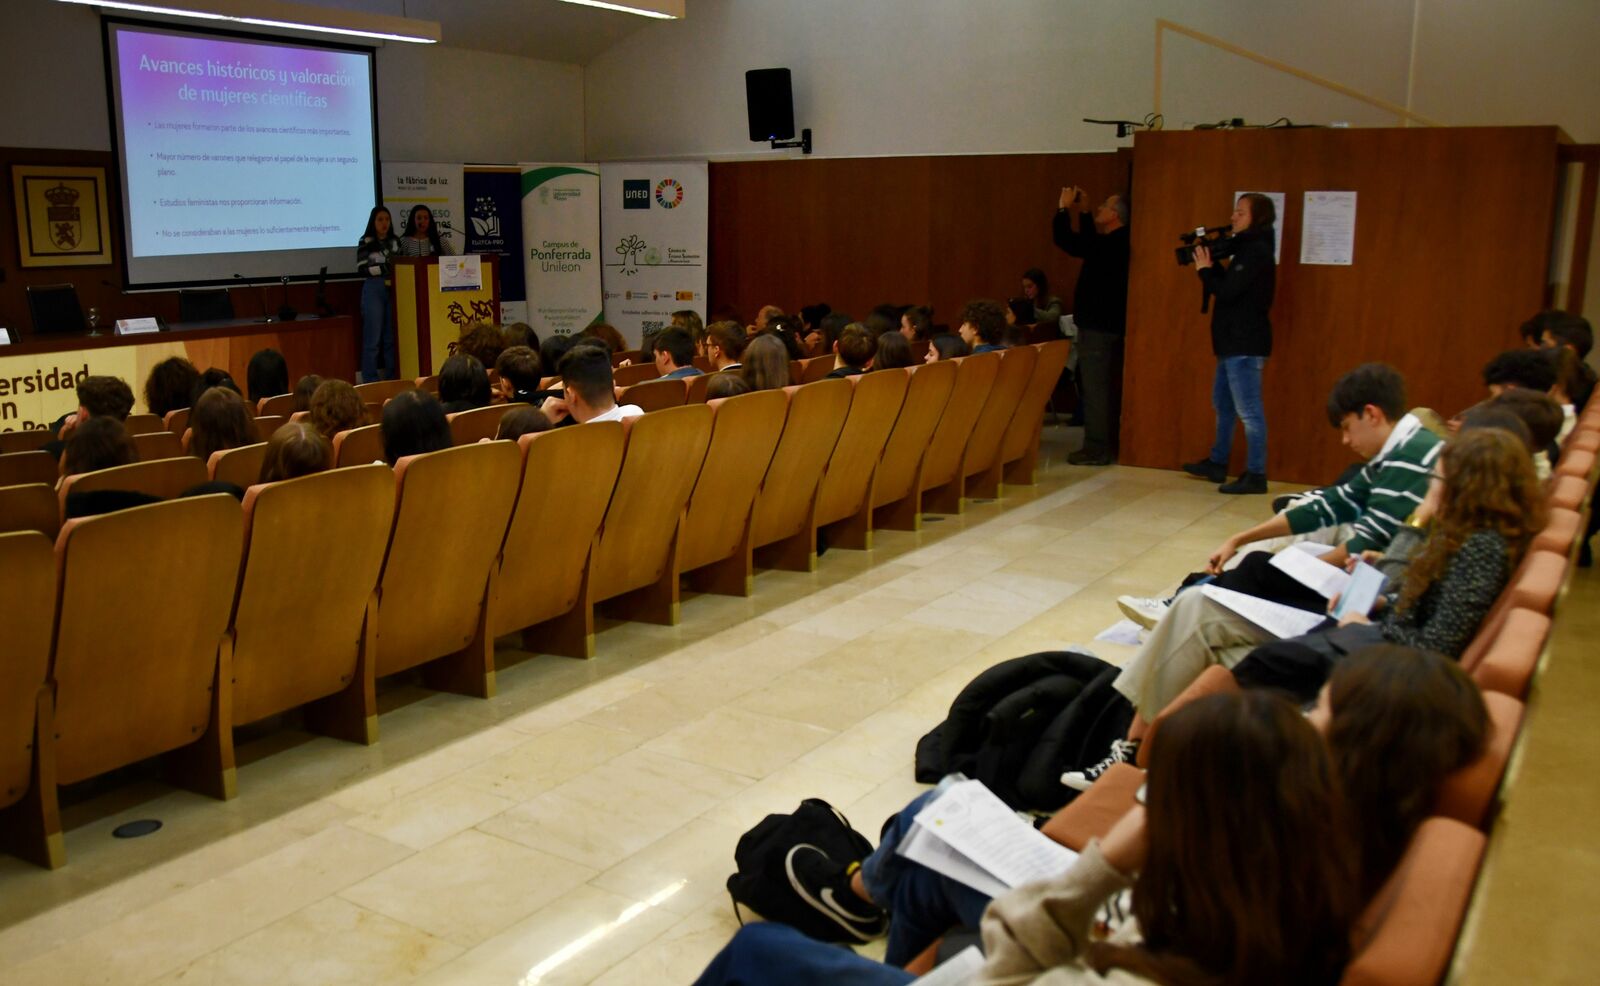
x=428 y=319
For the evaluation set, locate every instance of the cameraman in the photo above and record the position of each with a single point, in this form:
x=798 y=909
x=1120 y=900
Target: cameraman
x=1241 y=338
x=1100 y=311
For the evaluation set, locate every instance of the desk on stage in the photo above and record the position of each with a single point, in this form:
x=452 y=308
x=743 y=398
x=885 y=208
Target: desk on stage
x=38 y=375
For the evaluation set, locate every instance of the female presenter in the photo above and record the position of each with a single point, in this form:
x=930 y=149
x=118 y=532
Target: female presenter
x=421 y=236
x=378 y=245
x=1241 y=338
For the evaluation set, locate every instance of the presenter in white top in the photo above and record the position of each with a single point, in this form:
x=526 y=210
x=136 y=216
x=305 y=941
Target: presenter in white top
x=421 y=236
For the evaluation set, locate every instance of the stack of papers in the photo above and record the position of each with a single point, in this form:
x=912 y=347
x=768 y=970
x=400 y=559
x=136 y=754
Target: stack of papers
x=1301 y=561
x=969 y=835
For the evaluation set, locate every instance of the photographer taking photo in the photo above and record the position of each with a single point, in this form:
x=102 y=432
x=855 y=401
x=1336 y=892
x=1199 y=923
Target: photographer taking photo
x=1241 y=338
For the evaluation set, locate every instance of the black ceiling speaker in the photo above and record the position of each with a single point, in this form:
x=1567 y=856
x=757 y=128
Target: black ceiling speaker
x=769 y=99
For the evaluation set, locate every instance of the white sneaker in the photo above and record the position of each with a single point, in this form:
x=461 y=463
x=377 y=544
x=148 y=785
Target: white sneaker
x=1146 y=611
x=1122 y=751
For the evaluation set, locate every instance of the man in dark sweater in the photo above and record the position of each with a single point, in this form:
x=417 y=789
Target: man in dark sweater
x=1100 y=311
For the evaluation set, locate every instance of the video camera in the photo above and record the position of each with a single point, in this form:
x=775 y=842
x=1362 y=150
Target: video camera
x=1217 y=239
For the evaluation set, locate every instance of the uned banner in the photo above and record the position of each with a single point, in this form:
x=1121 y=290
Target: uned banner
x=561 y=246
x=654 y=221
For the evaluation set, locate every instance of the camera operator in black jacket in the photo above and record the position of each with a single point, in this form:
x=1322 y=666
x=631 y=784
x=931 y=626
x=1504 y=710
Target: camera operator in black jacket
x=1100 y=311
x=1241 y=338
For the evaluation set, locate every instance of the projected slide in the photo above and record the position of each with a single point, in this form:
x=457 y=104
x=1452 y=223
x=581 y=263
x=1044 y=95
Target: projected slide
x=234 y=146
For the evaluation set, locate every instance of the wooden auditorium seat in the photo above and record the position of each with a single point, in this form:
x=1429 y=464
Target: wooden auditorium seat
x=783 y=530
x=30 y=825
x=635 y=558
x=30 y=507
x=1582 y=439
x=542 y=586
x=429 y=383
x=24 y=441
x=299 y=416
x=305 y=625
x=1019 y=448
x=268 y=424
x=358 y=446
x=279 y=406
x=467 y=427
x=844 y=497
x=627 y=376
x=147 y=669
x=815 y=368
x=980 y=464
x=374 y=411
x=438 y=575
x=1567 y=492
x=629 y=356
x=1093 y=812
x=177 y=421
x=379 y=391
x=694 y=388
x=653 y=395
x=165 y=478
x=158 y=445
x=1578 y=462
x=143 y=424
x=1560 y=533
x=240 y=466
x=1468 y=794
x=897 y=490
x=17 y=468
x=1509 y=660
x=941 y=465
x=715 y=552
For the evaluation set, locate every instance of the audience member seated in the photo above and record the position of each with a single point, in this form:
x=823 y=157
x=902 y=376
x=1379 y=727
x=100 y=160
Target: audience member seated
x=763 y=318
x=1529 y=368
x=811 y=317
x=521 y=334
x=946 y=347
x=414 y=423
x=607 y=334
x=551 y=350
x=336 y=407
x=1573 y=377
x=786 y=329
x=725 y=343
x=983 y=323
x=674 y=354
x=521 y=421
x=484 y=342
x=215 y=377
x=820 y=342
x=170 y=385
x=99 y=442
x=1046 y=307
x=893 y=352
x=1019 y=311
x=853 y=351
x=1544 y=419
x=98 y=397
x=295 y=449
x=766 y=363
x=690 y=321
x=463 y=384
x=916 y=324
x=266 y=376
x=726 y=385
x=1572 y=333
x=303 y=391
x=590 y=393
x=883 y=318
x=219 y=421
x=519 y=373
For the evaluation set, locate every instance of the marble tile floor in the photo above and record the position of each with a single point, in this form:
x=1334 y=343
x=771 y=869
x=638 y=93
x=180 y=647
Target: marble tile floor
x=579 y=826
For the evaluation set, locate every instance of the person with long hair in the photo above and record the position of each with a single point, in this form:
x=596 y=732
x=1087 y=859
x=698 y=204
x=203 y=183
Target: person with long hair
x=336 y=407
x=463 y=384
x=219 y=421
x=266 y=376
x=946 y=346
x=893 y=352
x=421 y=237
x=766 y=363
x=414 y=423
x=375 y=253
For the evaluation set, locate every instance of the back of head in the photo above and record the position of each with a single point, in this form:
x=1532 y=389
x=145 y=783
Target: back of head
x=1538 y=410
x=483 y=341
x=1528 y=368
x=920 y=318
x=586 y=371
x=1377 y=384
x=106 y=397
x=832 y=324
x=267 y=375
x=414 y=423
x=607 y=334
x=170 y=385
x=1482 y=415
x=811 y=316
x=729 y=337
x=893 y=352
x=729 y=384
x=463 y=380
x=787 y=330
x=1244 y=827
x=856 y=345
x=220 y=421
x=336 y=407
x=215 y=377
x=99 y=443
x=689 y=321
x=295 y=449
x=520 y=366
x=303 y=389
x=521 y=334
x=766 y=363
x=1575 y=379
x=950 y=346
x=551 y=350
x=1401 y=720
x=1573 y=331
x=1021 y=309
x=1533 y=329
x=883 y=318
x=678 y=344
x=987 y=317
x=521 y=421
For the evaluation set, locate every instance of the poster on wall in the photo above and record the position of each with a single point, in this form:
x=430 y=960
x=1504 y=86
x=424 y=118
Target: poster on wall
x=561 y=246
x=61 y=216
x=437 y=186
x=654 y=219
x=493 y=196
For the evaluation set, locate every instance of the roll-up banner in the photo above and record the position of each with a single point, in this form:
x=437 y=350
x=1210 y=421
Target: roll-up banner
x=561 y=246
x=493 y=194
x=437 y=186
x=654 y=222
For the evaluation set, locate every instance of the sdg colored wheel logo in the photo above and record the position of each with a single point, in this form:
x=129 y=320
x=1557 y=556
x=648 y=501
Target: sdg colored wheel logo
x=669 y=194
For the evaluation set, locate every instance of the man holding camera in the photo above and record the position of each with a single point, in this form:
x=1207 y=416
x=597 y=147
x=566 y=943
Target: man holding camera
x=1100 y=311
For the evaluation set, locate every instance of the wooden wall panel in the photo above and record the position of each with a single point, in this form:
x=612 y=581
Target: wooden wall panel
x=1453 y=233
x=857 y=232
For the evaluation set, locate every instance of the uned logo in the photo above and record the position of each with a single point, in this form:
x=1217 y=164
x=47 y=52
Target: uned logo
x=636 y=193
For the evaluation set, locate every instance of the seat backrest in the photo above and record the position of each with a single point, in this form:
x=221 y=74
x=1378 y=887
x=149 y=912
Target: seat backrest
x=815 y=368
x=567 y=478
x=165 y=478
x=158 y=445
x=134 y=668
x=143 y=424
x=975 y=377
x=280 y=406
x=1560 y=531
x=428 y=383
x=240 y=466
x=28 y=612
x=627 y=376
x=1408 y=932
x=379 y=391
x=694 y=388
x=1466 y=794
x=1029 y=416
x=874 y=407
x=653 y=395
x=358 y=446
x=1509 y=659
x=467 y=427
x=313 y=549
x=744 y=432
x=30 y=507
x=625 y=355
x=17 y=468
x=1567 y=492
x=1536 y=586
x=983 y=446
x=268 y=424
x=1214 y=680
x=810 y=430
x=919 y=351
x=926 y=395
x=452 y=509
x=1578 y=462
x=177 y=421
x=24 y=441
x=660 y=463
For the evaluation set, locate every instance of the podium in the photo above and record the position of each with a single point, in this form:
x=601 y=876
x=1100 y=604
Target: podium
x=428 y=320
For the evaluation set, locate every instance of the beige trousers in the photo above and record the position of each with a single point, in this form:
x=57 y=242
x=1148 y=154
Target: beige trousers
x=1196 y=632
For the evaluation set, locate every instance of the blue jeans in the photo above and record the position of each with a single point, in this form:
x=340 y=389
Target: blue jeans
x=375 y=337
x=922 y=904
x=1236 y=393
x=770 y=954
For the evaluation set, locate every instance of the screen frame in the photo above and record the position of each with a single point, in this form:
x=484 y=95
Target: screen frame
x=118 y=187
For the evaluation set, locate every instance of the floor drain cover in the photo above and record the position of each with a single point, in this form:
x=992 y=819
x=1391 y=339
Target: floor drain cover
x=133 y=830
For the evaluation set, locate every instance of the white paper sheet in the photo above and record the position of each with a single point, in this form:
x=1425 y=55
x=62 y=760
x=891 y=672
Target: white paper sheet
x=1277 y=619
x=1121 y=632
x=1315 y=549
x=463 y=273
x=1365 y=584
x=1328 y=229
x=957 y=969
x=1310 y=571
x=970 y=819
x=919 y=846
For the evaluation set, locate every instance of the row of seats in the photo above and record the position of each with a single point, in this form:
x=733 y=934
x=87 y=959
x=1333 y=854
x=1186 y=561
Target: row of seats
x=315 y=587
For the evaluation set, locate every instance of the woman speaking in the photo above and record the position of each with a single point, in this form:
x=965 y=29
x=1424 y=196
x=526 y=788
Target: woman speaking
x=1241 y=338
x=377 y=248
x=421 y=236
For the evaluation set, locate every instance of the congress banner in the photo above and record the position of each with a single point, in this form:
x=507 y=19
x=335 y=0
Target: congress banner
x=654 y=222
x=561 y=246
x=437 y=186
x=493 y=196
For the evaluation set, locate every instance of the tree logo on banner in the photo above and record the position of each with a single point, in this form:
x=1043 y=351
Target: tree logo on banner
x=630 y=248
x=669 y=194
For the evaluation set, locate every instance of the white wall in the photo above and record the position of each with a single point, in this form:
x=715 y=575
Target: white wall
x=875 y=77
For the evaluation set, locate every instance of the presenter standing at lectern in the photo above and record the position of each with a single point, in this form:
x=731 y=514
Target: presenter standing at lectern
x=421 y=236
x=377 y=248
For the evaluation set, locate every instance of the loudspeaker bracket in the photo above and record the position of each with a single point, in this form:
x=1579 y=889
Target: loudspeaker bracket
x=804 y=143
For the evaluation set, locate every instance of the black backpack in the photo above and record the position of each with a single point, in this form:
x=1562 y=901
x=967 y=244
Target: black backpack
x=762 y=882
